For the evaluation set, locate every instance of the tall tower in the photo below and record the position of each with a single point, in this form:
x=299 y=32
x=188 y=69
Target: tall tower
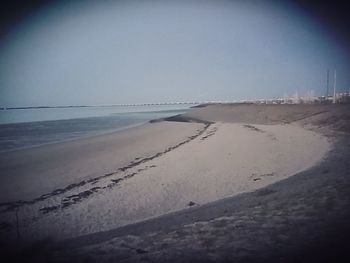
x=327 y=93
x=334 y=84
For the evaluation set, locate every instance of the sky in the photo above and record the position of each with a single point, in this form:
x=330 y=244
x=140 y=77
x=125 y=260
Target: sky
x=115 y=52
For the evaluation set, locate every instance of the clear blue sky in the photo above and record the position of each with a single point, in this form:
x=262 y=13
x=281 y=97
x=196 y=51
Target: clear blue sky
x=107 y=52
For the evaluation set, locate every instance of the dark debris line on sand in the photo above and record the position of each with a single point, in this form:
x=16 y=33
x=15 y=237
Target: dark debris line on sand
x=209 y=133
x=11 y=206
x=253 y=128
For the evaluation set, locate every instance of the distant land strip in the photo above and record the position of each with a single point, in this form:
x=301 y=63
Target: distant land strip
x=91 y=106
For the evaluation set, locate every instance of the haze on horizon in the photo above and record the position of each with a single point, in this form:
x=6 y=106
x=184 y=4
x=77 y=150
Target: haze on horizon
x=115 y=52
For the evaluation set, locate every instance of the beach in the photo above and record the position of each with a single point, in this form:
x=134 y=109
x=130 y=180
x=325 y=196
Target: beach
x=187 y=181
x=33 y=172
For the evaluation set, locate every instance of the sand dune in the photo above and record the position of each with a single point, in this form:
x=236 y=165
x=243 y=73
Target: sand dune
x=317 y=115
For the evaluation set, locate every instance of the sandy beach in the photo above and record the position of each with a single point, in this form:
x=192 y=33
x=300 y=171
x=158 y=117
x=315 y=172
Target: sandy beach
x=30 y=173
x=186 y=173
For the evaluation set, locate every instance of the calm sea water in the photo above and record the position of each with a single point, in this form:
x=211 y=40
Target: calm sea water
x=25 y=128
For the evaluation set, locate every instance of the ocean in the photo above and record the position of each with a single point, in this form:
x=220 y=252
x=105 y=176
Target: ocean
x=25 y=128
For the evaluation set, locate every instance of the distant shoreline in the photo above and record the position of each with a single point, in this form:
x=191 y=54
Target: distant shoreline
x=94 y=106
